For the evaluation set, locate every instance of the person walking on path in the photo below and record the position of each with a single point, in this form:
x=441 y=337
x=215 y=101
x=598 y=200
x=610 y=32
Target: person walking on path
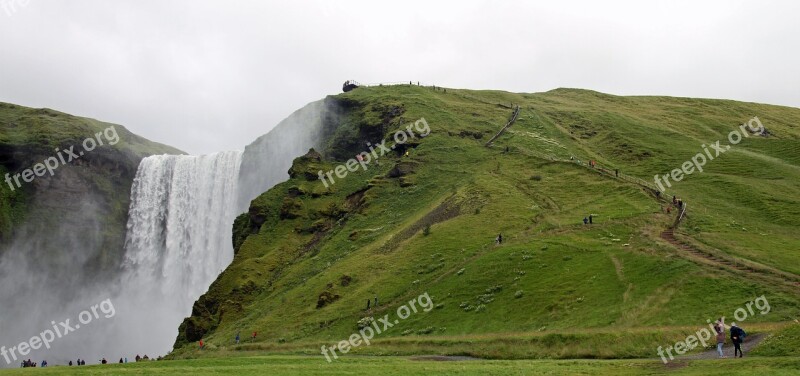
x=237 y=338
x=737 y=337
x=585 y=221
x=590 y=219
x=720 y=328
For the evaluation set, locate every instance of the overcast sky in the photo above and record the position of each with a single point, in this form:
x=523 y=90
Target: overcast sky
x=206 y=76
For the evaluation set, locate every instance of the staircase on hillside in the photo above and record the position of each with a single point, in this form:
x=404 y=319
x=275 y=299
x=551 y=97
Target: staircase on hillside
x=514 y=116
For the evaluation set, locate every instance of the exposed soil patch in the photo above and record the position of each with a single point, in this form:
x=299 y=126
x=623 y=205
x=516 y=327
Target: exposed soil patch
x=445 y=211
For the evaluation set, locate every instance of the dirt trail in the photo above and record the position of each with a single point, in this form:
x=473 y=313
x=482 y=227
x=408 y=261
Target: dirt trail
x=669 y=236
x=748 y=272
x=749 y=343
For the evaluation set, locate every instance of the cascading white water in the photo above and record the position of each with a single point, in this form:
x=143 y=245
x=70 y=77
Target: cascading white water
x=179 y=233
x=178 y=241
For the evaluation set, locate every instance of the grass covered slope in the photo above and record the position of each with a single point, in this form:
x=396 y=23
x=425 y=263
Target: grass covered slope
x=308 y=257
x=25 y=127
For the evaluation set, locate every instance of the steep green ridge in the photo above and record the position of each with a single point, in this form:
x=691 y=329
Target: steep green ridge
x=85 y=197
x=308 y=257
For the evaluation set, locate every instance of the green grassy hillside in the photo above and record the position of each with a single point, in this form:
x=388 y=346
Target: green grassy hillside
x=309 y=257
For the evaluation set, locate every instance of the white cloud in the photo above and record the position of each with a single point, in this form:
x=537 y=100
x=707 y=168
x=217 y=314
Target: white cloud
x=210 y=75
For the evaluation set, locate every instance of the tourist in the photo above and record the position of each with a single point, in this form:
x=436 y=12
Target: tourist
x=720 y=328
x=737 y=337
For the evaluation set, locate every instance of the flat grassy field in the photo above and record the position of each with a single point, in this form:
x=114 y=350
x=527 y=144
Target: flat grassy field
x=397 y=366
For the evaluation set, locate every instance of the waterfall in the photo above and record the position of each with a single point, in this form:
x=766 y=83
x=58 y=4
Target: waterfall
x=178 y=241
x=179 y=232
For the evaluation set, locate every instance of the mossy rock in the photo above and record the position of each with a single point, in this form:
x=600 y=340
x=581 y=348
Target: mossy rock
x=407 y=181
x=402 y=168
x=259 y=213
x=291 y=208
x=194 y=328
x=320 y=225
x=307 y=166
x=326 y=298
x=333 y=210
